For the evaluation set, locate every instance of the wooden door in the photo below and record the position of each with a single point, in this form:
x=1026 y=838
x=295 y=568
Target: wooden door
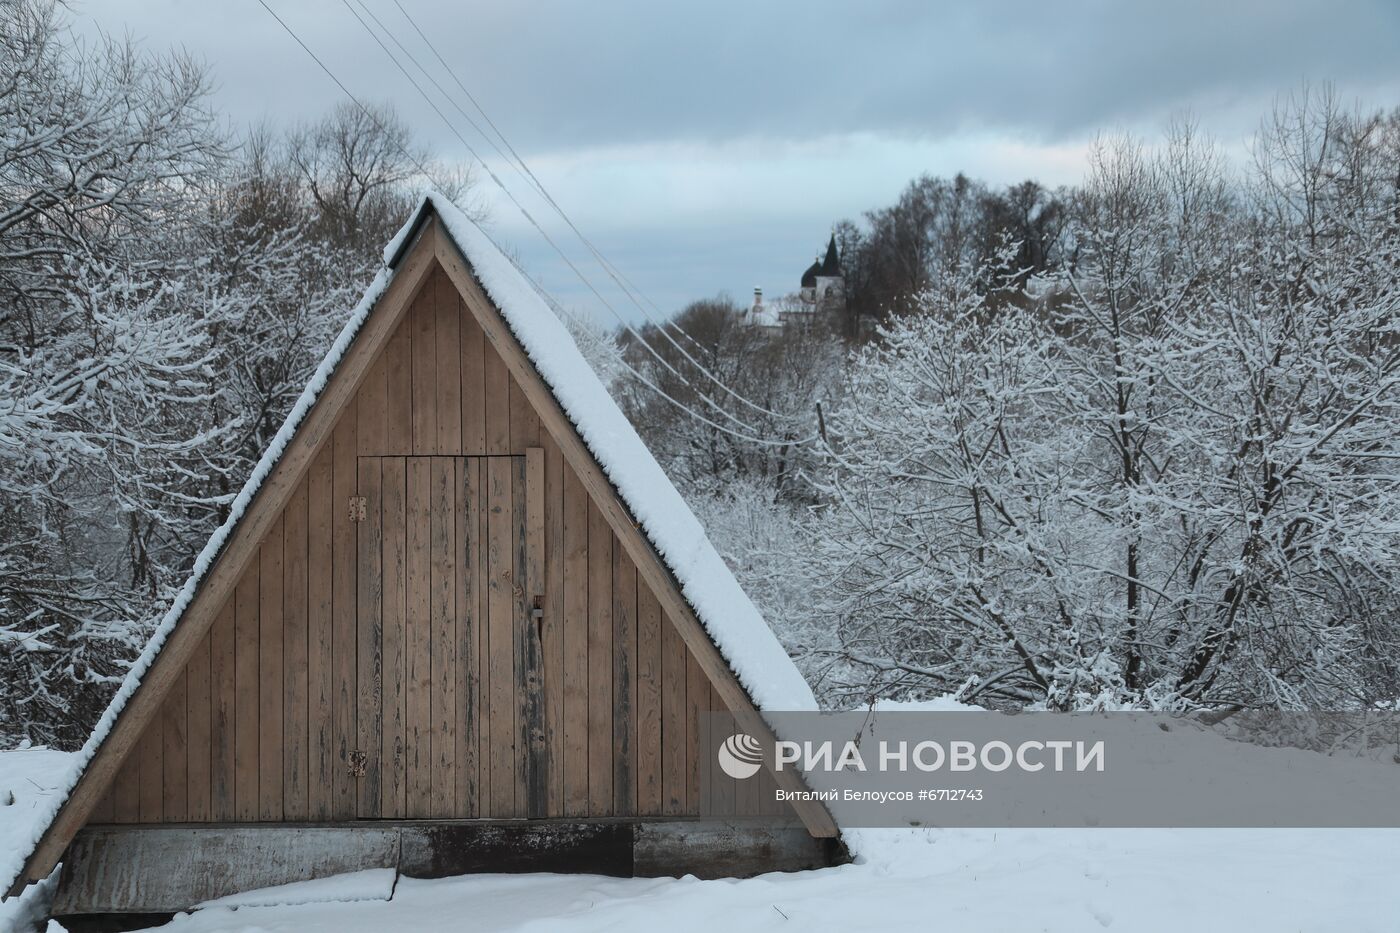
x=449 y=618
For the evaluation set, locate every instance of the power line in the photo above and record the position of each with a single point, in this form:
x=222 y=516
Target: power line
x=521 y=168
x=528 y=217
x=417 y=163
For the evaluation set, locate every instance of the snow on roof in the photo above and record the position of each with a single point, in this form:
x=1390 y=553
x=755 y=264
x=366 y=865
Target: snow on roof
x=31 y=779
x=731 y=619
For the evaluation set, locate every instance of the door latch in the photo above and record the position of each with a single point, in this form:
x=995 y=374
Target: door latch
x=356 y=764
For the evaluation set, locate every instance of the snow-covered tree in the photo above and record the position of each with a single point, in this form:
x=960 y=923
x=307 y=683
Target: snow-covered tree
x=1172 y=483
x=103 y=374
x=724 y=400
x=165 y=292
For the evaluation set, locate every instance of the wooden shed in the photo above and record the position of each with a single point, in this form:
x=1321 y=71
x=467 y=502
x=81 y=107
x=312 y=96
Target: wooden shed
x=458 y=620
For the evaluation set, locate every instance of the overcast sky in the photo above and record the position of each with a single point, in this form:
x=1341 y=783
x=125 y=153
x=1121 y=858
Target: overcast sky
x=710 y=146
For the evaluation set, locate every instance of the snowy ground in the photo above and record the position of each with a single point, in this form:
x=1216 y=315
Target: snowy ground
x=30 y=781
x=958 y=881
x=961 y=881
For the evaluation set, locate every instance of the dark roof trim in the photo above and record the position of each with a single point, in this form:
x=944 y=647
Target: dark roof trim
x=407 y=241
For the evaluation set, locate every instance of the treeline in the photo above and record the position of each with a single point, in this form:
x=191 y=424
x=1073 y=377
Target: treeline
x=1129 y=444
x=896 y=253
x=728 y=401
x=166 y=288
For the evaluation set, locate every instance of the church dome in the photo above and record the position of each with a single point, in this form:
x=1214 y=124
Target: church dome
x=809 y=278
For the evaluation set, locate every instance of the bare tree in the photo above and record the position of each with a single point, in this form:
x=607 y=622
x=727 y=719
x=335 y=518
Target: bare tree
x=772 y=383
x=357 y=164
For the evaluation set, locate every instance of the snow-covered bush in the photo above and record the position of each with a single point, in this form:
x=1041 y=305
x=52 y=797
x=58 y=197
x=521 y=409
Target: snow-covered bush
x=164 y=295
x=1174 y=484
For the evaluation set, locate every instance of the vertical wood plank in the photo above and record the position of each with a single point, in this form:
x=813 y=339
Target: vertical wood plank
x=697 y=702
x=447 y=346
x=674 y=735
x=296 y=736
x=553 y=636
x=648 y=712
x=521 y=641
x=524 y=422
x=482 y=576
x=497 y=389
x=270 y=664
x=361 y=427
x=768 y=804
x=198 y=685
x=418 y=640
x=322 y=726
x=393 y=725
x=535 y=721
x=126 y=789
x=423 y=318
x=723 y=792
x=624 y=682
x=467 y=512
x=245 y=750
x=106 y=808
x=502 y=743
x=574 y=532
x=473 y=379
x=445 y=572
x=173 y=754
x=752 y=793
x=364 y=425
x=151 y=750
x=398 y=390
x=600 y=663
x=223 y=722
x=369 y=661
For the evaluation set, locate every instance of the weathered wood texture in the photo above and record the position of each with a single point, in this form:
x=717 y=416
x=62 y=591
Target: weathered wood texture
x=167 y=869
x=407 y=645
x=651 y=569
x=150 y=869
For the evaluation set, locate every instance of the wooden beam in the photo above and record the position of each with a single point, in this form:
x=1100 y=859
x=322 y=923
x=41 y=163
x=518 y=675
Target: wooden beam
x=163 y=869
x=241 y=547
x=718 y=848
x=649 y=564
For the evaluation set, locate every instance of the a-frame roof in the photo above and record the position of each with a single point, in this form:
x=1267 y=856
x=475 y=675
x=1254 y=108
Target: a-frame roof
x=718 y=622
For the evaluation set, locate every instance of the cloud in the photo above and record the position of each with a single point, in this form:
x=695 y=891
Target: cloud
x=742 y=213
x=712 y=145
x=624 y=72
x=565 y=75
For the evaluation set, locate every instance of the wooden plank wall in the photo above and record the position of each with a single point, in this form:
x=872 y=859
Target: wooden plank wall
x=263 y=724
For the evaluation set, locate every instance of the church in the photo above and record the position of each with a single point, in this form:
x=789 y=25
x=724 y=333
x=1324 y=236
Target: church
x=821 y=297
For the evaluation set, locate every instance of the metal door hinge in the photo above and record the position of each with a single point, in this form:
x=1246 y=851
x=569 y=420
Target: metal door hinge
x=356 y=764
x=359 y=509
